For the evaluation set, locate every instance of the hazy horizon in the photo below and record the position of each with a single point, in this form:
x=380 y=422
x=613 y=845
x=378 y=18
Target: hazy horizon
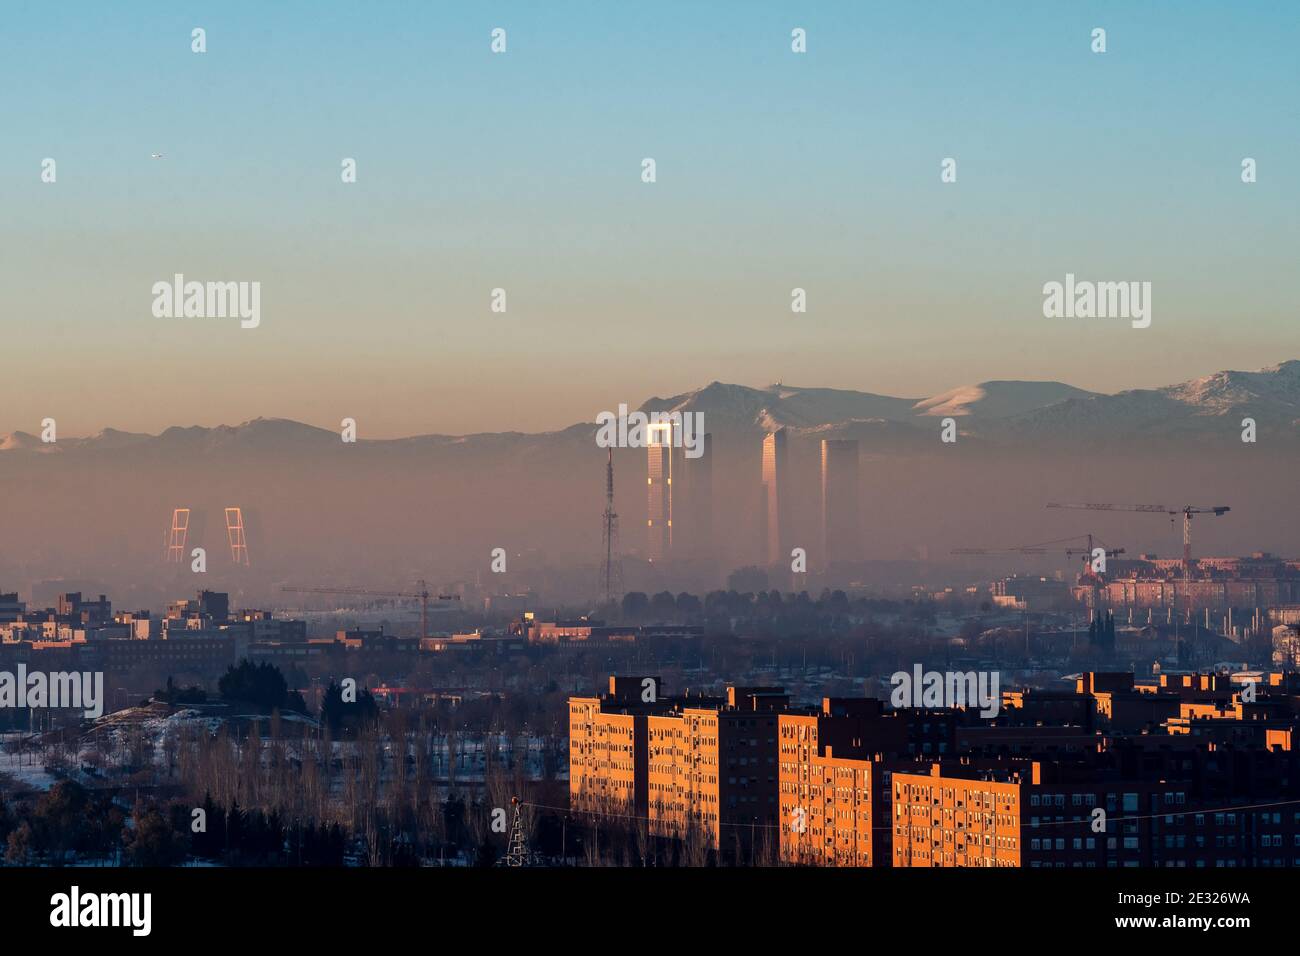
x=522 y=171
x=374 y=429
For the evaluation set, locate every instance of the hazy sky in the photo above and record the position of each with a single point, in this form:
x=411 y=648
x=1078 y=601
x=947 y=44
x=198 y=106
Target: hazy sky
x=522 y=171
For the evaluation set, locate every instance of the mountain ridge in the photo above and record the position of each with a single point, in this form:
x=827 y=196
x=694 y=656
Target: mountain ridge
x=1005 y=409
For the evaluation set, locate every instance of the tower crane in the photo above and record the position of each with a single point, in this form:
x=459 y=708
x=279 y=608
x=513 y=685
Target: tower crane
x=1187 y=511
x=1044 y=549
x=422 y=594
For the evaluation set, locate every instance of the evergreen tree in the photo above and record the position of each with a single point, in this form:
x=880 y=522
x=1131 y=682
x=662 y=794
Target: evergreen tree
x=260 y=684
x=152 y=841
x=234 y=829
x=338 y=714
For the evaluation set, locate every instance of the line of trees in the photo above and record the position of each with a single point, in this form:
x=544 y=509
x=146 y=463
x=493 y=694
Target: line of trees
x=63 y=823
x=235 y=836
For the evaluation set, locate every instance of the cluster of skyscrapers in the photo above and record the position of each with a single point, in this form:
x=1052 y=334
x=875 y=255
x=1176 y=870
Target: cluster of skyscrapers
x=679 y=502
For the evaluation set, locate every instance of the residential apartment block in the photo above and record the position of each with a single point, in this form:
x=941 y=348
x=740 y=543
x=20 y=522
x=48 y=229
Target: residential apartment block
x=1185 y=771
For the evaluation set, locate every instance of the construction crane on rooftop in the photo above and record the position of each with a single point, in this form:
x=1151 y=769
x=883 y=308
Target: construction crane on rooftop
x=1187 y=511
x=422 y=594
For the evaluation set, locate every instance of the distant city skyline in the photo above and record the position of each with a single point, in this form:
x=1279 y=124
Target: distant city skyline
x=764 y=434
x=521 y=171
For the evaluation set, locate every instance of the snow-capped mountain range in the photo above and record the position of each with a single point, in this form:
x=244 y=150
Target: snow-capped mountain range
x=995 y=411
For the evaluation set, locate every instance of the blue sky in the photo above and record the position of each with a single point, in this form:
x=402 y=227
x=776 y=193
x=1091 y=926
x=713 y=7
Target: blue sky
x=522 y=171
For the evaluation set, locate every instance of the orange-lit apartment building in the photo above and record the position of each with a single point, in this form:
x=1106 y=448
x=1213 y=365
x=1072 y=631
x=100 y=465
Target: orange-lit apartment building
x=1230 y=810
x=834 y=783
x=943 y=820
x=855 y=783
x=713 y=768
x=607 y=748
x=690 y=765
